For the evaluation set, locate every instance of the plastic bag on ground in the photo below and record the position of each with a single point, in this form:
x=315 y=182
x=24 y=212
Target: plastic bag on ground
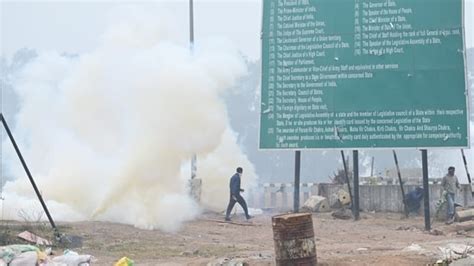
x=124 y=262
x=71 y=258
x=25 y=258
x=8 y=253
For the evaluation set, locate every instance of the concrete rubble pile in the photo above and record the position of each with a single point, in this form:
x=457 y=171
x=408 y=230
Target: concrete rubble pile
x=464 y=215
x=456 y=252
x=316 y=204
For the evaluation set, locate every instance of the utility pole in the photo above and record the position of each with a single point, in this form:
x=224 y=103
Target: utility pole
x=191 y=23
x=191 y=44
x=195 y=183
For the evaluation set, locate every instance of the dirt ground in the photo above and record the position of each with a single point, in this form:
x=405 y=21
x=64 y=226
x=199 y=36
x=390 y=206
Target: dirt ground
x=376 y=239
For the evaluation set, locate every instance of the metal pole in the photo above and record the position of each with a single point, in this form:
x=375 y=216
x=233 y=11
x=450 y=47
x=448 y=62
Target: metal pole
x=355 y=159
x=43 y=204
x=347 y=180
x=467 y=170
x=193 y=166
x=296 y=196
x=426 y=191
x=372 y=167
x=191 y=45
x=191 y=23
x=405 y=207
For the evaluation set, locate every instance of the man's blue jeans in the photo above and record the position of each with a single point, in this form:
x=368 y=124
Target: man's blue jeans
x=450 y=200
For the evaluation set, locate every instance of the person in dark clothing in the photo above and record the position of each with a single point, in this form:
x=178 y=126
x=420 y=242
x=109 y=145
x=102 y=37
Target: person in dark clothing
x=235 y=195
x=413 y=200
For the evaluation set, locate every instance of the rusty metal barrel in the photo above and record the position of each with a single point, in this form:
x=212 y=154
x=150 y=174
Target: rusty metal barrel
x=293 y=235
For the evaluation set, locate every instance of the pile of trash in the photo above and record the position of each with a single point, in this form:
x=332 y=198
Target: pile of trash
x=21 y=255
x=31 y=254
x=16 y=255
x=446 y=254
x=453 y=252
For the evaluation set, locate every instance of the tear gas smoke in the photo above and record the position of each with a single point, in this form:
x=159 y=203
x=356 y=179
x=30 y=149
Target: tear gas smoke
x=108 y=133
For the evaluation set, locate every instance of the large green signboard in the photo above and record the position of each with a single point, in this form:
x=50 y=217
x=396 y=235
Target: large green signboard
x=363 y=74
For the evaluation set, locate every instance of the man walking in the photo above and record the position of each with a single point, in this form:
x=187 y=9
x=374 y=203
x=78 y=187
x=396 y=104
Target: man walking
x=235 y=195
x=450 y=183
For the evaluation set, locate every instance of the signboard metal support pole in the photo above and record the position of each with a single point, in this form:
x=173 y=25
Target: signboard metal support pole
x=296 y=200
x=355 y=159
x=405 y=207
x=426 y=191
x=346 y=173
x=372 y=167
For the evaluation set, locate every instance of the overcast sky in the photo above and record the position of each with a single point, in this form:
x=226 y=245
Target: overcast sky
x=75 y=26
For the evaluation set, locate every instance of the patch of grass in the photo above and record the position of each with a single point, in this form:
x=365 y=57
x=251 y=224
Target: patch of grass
x=9 y=231
x=7 y=236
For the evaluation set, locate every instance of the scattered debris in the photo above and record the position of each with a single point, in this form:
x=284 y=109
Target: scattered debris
x=9 y=253
x=124 y=262
x=72 y=258
x=316 y=204
x=453 y=251
x=229 y=262
x=407 y=228
x=436 y=232
x=461 y=248
x=231 y=222
x=465 y=226
x=344 y=214
x=25 y=258
x=20 y=255
x=32 y=238
x=464 y=215
x=414 y=248
x=362 y=249
x=441 y=263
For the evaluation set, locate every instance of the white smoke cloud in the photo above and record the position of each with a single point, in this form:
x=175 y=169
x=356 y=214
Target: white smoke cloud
x=107 y=133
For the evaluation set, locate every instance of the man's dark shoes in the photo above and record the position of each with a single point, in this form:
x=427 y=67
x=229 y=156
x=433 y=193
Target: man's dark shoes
x=227 y=219
x=249 y=217
x=450 y=221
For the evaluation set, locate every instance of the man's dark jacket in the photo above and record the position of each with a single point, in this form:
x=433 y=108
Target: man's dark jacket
x=235 y=184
